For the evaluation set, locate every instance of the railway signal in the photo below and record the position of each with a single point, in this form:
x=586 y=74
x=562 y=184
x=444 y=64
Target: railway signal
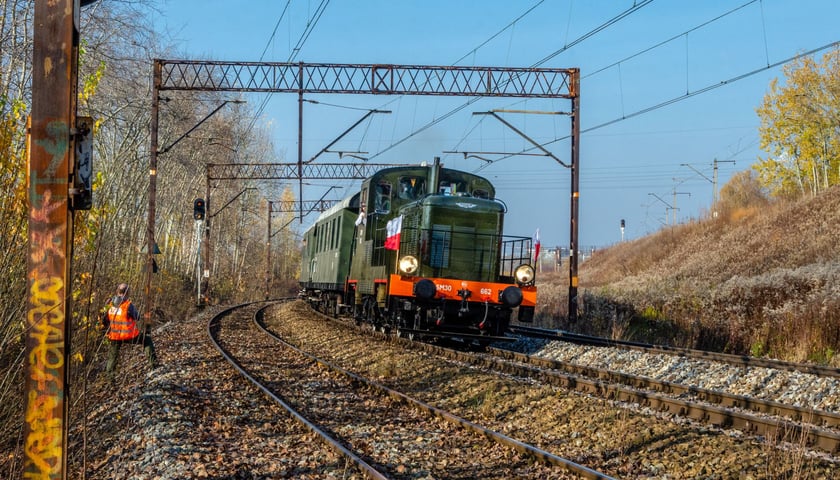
x=199 y=209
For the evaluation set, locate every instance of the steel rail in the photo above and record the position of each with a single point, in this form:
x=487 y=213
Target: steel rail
x=767 y=407
x=828 y=441
x=740 y=360
x=499 y=438
x=213 y=328
x=822 y=439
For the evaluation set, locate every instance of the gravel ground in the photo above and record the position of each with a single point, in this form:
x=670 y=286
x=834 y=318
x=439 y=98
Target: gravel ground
x=392 y=436
x=791 y=388
x=194 y=418
x=625 y=441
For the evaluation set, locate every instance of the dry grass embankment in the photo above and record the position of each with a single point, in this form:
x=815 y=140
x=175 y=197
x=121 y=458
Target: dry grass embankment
x=759 y=281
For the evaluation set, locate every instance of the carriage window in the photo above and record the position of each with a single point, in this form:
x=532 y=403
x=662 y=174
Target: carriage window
x=382 y=200
x=479 y=193
x=328 y=236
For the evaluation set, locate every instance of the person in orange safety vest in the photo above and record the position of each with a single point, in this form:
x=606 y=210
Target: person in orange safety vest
x=121 y=323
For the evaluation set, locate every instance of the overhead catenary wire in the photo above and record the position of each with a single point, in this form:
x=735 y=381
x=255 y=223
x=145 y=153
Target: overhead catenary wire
x=471 y=52
x=688 y=94
x=472 y=100
x=276 y=26
x=310 y=26
x=612 y=21
x=506 y=27
x=668 y=40
x=618 y=63
x=705 y=89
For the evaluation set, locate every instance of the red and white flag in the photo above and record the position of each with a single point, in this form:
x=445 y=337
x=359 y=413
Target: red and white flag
x=393 y=229
x=537 y=247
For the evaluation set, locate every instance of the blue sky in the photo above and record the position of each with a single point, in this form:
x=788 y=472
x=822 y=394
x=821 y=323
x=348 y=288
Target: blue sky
x=631 y=169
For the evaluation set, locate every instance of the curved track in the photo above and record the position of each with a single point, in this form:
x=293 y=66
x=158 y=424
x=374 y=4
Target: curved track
x=384 y=433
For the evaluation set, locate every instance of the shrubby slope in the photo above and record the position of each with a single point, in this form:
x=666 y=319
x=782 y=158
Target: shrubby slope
x=761 y=279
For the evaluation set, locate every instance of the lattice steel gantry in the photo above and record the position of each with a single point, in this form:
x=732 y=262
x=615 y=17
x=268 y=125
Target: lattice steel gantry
x=372 y=79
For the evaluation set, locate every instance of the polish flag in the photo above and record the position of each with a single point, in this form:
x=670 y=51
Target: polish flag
x=393 y=229
x=537 y=247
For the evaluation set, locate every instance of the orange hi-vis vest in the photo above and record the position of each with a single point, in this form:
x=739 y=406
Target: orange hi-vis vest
x=121 y=327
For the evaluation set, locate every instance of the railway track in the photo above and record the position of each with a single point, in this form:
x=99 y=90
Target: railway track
x=613 y=437
x=816 y=418
x=745 y=361
x=813 y=428
x=754 y=414
x=770 y=419
x=383 y=433
x=766 y=418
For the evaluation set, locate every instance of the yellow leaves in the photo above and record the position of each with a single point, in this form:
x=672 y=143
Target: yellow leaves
x=13 y=204
x=90 y=83
x=798 y=128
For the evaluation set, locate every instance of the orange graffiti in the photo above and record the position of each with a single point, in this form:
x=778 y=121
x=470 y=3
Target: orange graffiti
x=47 y=247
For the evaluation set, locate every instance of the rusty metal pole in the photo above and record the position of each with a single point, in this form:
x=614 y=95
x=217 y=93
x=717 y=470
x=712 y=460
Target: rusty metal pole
x=268 y=254
x=574 y=87
x=300 y=140
x=150 y=226
x=206 y=252
x=47 y=341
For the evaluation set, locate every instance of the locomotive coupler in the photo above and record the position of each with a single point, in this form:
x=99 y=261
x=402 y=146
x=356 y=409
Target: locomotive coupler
x=465 y=308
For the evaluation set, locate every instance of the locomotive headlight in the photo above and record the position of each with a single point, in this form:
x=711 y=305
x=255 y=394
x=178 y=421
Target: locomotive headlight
x=409 y=264
x=524 y=274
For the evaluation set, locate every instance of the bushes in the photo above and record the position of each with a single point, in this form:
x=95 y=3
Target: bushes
x=792 y=314
x=762 y=278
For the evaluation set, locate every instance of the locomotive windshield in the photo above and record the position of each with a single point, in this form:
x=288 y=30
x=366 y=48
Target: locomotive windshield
x=383 y=197
x=412 y=187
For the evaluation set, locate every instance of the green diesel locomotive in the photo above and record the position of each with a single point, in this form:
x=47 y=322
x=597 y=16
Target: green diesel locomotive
x=420 y=249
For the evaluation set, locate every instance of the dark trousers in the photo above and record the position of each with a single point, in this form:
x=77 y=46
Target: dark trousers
x=114 y=351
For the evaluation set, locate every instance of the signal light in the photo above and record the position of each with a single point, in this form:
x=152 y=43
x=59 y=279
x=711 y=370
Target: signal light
x=199 y=209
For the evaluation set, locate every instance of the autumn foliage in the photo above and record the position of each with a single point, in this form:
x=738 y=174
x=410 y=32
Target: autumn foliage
x=800 y=128
x=107 y=248
x=760 y=279
x=759 y=276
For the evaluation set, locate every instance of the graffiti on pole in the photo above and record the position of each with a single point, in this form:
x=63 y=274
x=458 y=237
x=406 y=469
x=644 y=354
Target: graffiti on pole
x=45 y=334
